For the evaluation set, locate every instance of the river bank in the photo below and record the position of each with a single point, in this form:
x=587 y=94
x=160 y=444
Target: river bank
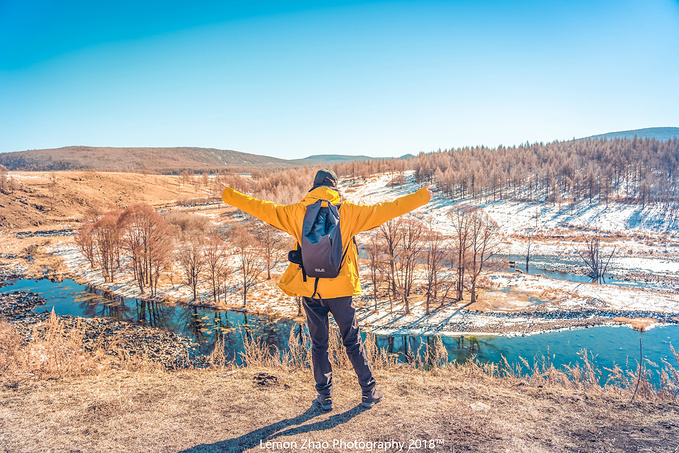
x=509 y=303
x=116 y=338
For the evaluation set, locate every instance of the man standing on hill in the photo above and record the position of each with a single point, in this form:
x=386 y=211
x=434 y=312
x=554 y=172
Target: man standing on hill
x=332 y=295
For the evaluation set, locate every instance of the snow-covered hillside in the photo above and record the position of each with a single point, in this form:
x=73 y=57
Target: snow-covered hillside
x=518 y=217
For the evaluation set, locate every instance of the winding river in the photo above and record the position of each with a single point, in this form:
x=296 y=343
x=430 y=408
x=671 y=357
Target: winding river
x=606 y=346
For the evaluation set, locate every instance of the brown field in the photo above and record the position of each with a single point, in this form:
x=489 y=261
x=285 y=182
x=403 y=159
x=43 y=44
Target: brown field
x=52 y=199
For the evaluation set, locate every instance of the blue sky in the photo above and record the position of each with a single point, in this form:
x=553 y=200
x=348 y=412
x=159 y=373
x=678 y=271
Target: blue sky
x=292 y=79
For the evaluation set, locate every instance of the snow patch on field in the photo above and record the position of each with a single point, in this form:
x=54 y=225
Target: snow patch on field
x=647 y=240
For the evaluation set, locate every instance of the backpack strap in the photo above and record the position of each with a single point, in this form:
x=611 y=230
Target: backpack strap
x=299 y=247
x=315 y=288
x=353 y=238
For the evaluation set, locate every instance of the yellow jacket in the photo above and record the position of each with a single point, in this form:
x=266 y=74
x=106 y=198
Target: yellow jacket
x=354 y=218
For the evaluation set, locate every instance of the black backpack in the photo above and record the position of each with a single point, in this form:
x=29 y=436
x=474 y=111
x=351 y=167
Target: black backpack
x=320 y=253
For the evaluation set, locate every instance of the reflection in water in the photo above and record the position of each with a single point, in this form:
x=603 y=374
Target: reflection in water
x=203 y=326
x=563 y=268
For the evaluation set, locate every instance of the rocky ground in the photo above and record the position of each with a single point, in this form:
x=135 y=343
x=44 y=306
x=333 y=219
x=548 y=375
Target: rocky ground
x=166 y=348
x=18 y=304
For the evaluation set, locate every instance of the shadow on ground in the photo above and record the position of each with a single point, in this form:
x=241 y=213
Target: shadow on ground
x=287 y=427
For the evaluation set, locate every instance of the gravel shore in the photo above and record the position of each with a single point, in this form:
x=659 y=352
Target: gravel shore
x=167 y=348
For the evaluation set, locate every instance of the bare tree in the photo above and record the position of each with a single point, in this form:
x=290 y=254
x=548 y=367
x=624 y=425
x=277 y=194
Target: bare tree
x=532 y=232
x=249 y=259
x=434 y=256
x=594 y=259
x=272 y=244
x=4 y=182
x=392 y=234
x=483 y=245
x=191 y=230
x=375 y=251
x=106 y=240
x=408 y=253
x=185 y=177
x=192 y=259
x=84 y=239
x=216 y=263
x=460 y=217
x=148 y=240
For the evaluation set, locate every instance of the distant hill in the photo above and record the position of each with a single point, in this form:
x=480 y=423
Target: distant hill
x=162 y=160
x=658 y=133
x=320 y=159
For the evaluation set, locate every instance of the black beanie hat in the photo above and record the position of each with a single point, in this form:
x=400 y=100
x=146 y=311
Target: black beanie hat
x=326 y=178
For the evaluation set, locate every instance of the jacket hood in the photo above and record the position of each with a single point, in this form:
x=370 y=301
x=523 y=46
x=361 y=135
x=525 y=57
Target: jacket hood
x=321 y=193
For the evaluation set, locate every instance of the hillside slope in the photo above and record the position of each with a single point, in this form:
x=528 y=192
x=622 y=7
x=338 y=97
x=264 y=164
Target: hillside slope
x=42 y=199
x=324 y=159
x=133 y=159
x=162 y=160
x=658 y=133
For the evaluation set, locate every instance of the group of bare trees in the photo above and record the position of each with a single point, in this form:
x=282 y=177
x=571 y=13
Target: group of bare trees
x=149 y=245
x=628 y=170
x=451 y=263
x=139 y=234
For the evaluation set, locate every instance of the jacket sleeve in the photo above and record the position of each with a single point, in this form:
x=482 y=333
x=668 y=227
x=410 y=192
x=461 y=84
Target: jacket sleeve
x=366 y=217
x=276 y=215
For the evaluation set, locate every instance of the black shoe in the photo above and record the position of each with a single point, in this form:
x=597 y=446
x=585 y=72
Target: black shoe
x=324 y=401
x=372 y=398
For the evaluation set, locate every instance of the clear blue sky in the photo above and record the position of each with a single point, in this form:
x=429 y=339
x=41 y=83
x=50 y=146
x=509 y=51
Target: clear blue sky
x=291 y=79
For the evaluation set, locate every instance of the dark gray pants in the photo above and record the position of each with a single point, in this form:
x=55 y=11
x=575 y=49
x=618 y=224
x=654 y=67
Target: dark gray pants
x=345 y=317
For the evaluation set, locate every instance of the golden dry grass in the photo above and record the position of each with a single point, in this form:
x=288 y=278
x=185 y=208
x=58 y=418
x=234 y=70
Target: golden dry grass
x=640 y=324
x=233 y=409
x=49 y=199
x=87 y=401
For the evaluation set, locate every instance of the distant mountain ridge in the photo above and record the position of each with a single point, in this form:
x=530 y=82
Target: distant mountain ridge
x=330 y=159
x=174 y=160
x=658 y=133
x=163 y=160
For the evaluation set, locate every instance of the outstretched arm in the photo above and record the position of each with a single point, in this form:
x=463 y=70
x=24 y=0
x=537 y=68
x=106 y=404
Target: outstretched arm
x=368 y=217
x=266 y=211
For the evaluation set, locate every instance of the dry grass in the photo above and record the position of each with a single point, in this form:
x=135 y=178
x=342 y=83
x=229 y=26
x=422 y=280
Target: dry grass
x=57 y=351
x=80 y=194
x=233 y=409
x=95 y=401
x=640 y=324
